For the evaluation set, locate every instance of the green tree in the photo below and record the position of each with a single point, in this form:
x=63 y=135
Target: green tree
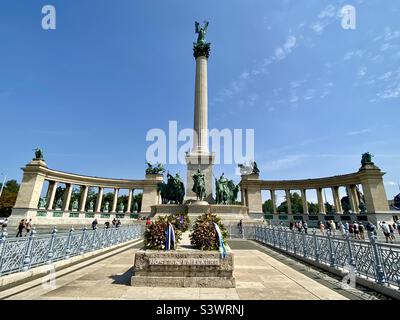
x=8 y=197
x=267 y=206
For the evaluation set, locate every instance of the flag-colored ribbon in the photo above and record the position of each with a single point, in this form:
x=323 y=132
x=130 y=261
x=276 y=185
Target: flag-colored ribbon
x=170 y=237
x=222 y=249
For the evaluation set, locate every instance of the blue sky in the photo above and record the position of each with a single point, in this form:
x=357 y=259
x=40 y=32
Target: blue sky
x=317 y=96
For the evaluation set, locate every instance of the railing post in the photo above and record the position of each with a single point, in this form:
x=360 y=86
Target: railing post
x=68 y=248
x=380 y=274
x=51 y=246
x=27 y=257
x=93 y=245
x=304 y=245
x=3 y=240
x=82 y=246
x=316 y=249
x=352 y=262
x=331 y=253
x=294 y=242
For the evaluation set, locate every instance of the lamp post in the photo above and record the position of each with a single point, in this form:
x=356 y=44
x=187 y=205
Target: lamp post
x=2 y=185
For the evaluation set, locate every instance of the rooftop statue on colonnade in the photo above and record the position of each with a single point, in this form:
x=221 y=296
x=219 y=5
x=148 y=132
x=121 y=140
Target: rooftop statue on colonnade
x=38 y=154
x=155 y=169
x=366 y=158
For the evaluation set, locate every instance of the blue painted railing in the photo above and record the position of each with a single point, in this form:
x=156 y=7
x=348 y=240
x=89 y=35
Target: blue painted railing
x=373 y=260
x=22 y=254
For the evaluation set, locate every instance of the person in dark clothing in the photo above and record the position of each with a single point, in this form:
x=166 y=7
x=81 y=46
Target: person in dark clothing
x=21 y=228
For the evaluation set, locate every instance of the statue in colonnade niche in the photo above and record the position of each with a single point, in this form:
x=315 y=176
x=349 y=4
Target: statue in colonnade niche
x=121 y=207
x=42 y=203
x=75 y=205
x=91 y=206
x=106 y=207
x=59 y=204
x=135 y=207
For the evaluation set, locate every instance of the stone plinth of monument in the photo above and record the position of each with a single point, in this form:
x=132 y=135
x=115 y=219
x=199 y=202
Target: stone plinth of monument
x=184 y=267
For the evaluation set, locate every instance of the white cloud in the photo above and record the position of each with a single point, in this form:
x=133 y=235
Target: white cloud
x=391 y=183
x=284 y=163
x=354 y=133
x=327 y=12
x=362 y=72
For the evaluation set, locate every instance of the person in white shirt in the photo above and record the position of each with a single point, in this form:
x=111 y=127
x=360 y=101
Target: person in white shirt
x=386 y=232
x=356 y=230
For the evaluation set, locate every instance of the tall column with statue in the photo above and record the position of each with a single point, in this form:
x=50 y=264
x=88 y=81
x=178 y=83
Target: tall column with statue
x=200 y=158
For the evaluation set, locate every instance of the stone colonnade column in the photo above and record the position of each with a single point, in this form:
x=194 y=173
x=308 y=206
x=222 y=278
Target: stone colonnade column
x=130 y=196
x=288 y=201
x=67 y=197
x=273 y=200
x=321 y=204
x=352 y=194
x=115 y=200
x=99 y=199
x=51 y=194
x=83 y=200
x=304 y=200
x=336 y=200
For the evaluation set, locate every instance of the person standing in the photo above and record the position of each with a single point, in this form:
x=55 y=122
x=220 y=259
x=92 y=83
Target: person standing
x=322 y=228
x=333 y=228
x=398 y=226
x=94 y=224
x=28 y=226
x=305 y=226
x=21 y=227
x=391 y=229
x=386 y=232
x=240 y=227
x=361 y=230
x=356 y=230
x=148 y=222
x=4 y=224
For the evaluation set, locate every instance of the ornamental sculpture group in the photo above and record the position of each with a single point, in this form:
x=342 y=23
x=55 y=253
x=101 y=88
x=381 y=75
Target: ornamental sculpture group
x=174 y=190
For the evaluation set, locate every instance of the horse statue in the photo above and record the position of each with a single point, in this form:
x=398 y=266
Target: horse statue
x=226 y=191
x=172 y=191
x=199 y=185
x=366 y=158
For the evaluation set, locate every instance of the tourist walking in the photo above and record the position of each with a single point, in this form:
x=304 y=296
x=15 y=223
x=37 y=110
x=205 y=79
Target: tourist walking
x=299 y=226
x=342 y=229
x=391 y=229
x=291 y=225
x=351 y=230
x=346 y=227
x=94 y=224
x=356 y=230
x=114 y=223
x=240 y=227
x=398 y=226
x=386 y=232
x=148 y=222
x=107 y=225
x=118 y=223
x=21 y=227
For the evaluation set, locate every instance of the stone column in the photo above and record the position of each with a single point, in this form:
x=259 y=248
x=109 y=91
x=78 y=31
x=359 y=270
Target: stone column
x=130 y=196
x=51 y=194
x=289 y=201
x=99 y=199
x=352 y=194
x=321 y=204
x=67 y=197
x=336 y=200
x=115 y=200
x=304 y=200
x=273 y=200
x=242 y=196
x=200 y=143
x=150 y=194
x=83 y=200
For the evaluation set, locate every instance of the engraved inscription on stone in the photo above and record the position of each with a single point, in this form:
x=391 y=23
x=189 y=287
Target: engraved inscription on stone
x=188 y=262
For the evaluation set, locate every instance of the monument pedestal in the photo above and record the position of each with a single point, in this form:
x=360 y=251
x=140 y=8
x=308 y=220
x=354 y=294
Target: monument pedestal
x=183 y=268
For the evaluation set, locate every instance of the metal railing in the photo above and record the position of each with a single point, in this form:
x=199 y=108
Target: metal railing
x=22 y=254
x=375 y=261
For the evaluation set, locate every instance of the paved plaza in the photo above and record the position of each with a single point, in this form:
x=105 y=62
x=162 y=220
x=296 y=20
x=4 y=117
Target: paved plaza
x=260 y=273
